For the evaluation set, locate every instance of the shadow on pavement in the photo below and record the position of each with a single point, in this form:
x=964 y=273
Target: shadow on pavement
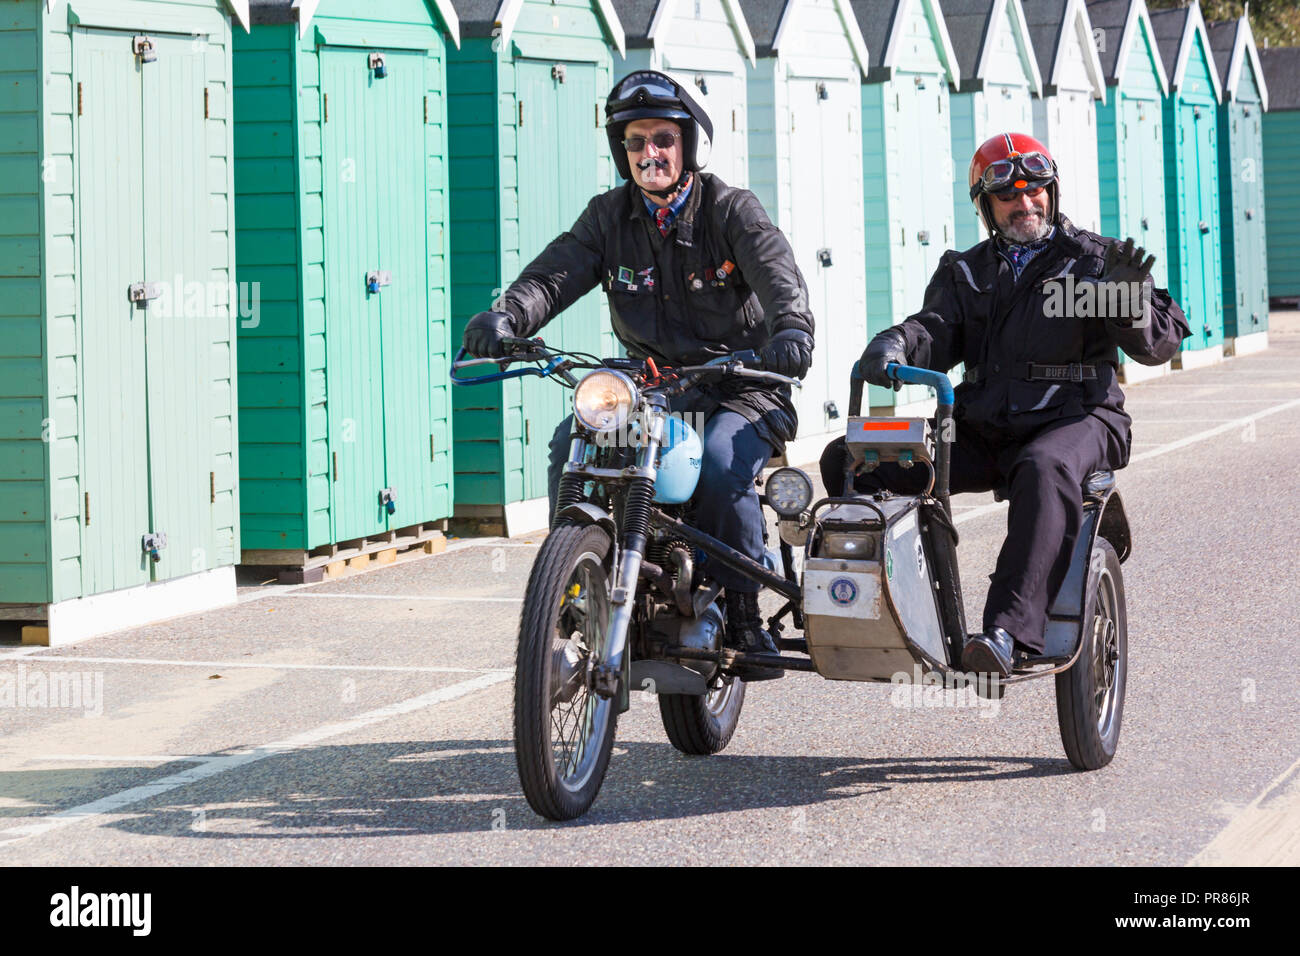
x=460 y=786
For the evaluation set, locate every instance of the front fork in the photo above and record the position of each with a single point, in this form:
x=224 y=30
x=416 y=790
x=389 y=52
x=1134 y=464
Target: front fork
x=608 y=672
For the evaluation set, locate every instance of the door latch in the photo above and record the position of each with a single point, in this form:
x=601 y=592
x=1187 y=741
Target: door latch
x=141 y=292
x=557 y=72
x=378 y=65
x=824 y=257
x=832 y=411
x=702 y=83
x=1203 y=226
x=377 y=280
x=1250 y=214
x=1145 y=224
x=923 y=237
x=388 y=499
x=152 y=543
x=144 y=48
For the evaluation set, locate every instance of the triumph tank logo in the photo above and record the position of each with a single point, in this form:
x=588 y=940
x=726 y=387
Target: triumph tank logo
x=843 y=591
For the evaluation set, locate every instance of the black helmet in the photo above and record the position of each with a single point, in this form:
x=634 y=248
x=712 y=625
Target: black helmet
x=647 y=94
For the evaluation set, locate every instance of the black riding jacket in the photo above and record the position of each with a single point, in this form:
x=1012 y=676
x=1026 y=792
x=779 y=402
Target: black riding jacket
x=722 y=280
x=976 y=312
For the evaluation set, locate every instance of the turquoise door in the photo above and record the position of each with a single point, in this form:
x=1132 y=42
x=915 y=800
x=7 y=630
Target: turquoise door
x=1207 y=280
x=556 y=181
x=1253 y=294
x=114 y=418
x=180 y=335
x=376 y=283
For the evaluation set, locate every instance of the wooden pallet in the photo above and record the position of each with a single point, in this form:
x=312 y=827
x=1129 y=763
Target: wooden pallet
x=297 y=566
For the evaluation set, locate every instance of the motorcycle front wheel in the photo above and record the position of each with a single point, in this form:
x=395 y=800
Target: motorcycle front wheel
x=564 y=731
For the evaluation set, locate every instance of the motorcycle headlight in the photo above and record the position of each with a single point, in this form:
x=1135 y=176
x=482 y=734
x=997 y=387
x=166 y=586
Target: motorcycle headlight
x=849 y=544
x=788 y=491
x=603 y=401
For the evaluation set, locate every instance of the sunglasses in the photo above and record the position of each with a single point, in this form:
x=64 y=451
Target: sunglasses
x=661 y=140
x=1014 y=173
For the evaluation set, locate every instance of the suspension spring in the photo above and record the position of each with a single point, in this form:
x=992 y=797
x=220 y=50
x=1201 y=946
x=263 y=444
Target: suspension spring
x=569 y=493
x=636 y=513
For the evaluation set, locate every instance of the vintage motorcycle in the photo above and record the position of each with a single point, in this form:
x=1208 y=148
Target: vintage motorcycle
x=620 y=597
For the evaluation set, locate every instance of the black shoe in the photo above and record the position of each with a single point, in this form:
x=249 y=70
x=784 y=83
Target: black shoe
x=745 y=633
x=993 y=652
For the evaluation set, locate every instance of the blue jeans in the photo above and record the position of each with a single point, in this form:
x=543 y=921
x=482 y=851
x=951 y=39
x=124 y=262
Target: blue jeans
x=726 y=502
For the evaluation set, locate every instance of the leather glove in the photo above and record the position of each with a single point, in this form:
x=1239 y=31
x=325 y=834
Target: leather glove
x=788 y=353
x=485 y=334
x=1124 y=264
x=886 y=347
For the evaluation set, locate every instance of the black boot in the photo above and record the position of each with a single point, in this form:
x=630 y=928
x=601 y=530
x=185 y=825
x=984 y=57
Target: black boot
x=993 y=652
x=745 y=633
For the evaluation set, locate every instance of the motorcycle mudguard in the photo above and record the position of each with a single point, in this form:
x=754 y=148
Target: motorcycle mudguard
x=1103 y=515
x=584 y=512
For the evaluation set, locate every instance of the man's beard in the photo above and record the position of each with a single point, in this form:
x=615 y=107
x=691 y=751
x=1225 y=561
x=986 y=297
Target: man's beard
x=1020 y=231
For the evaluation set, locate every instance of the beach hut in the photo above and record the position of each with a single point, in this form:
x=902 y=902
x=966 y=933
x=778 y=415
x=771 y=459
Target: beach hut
x=1241 y=186
x=707 y=47
x=118 y=502
x=341 y=217
x=907 y=164
x=1192 y=180
x=805 y=166
x=526 y=96
x=1282 y=162
x=1130 y=139
x=999 y=78
x=1065 y=118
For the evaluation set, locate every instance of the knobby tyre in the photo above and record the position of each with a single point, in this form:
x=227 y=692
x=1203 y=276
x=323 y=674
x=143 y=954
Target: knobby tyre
x=1090 y=695
x=703 y=724
x=564 y=731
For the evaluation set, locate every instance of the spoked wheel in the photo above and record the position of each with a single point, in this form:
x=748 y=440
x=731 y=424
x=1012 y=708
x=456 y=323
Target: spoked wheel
x=1090 y=695
x=564 y=731
x=703 y=724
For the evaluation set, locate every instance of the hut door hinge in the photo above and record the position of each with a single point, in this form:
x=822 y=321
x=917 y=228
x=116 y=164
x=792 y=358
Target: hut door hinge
x=521 y=112
x=528 y=431
x=144 y=48
x=152 y=543
x=206 y=104
x=325 y=106
x=335 y=463
x=557 y=72
x=388 y=499
x=733 y=121
x=87 y=521
x=426 y=111
x=78 y=99
x=212 y=487
x=433 y=449
x=141 y=292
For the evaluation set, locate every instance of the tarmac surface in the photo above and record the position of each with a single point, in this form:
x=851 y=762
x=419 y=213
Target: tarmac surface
x=367 y=720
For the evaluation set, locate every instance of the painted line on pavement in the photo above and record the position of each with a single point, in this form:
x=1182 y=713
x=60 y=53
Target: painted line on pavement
x=212 y=766
x=409 y=597
x=111 y=758
x=256 y=665
x=1228 y=426
x=1266 y=833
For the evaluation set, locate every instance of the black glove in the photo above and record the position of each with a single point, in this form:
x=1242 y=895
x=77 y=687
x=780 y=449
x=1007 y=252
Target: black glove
x=788 y=352
x=886 y=347
x=486 y=332
x=1124 y=264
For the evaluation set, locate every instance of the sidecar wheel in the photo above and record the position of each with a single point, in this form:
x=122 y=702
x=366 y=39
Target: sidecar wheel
x=1090 y=695
x=702 y=725
x=564 y=730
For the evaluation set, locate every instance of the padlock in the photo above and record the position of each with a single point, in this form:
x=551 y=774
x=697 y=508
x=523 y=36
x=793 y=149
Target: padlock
x=378 y=65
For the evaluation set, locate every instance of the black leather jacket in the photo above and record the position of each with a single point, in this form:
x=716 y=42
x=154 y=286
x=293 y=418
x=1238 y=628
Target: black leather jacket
x=723 y=279
x=976 y=312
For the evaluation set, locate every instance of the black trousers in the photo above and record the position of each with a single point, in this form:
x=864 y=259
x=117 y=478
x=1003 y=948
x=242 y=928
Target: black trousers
x=1043 y=477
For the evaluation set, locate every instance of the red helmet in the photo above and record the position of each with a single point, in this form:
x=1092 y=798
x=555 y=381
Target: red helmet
x=1012 y=163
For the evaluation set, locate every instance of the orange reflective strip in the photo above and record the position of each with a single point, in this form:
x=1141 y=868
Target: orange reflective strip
x=886 y=426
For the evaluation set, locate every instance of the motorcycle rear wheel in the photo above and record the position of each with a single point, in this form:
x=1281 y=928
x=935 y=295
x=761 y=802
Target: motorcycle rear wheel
x=564 y=731
x=703 y=724
x=1090 y=695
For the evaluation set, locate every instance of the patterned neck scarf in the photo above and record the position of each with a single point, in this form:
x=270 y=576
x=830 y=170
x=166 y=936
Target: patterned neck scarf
x=1019 y=256
x=664 y=215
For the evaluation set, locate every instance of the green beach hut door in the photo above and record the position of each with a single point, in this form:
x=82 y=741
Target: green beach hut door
x=376 y=280
x=557 y=100
x=142 y=175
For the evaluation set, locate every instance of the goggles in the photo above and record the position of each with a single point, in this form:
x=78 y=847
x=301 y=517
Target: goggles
x=661 y=140
x=652 y=87
x=1022 y=171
